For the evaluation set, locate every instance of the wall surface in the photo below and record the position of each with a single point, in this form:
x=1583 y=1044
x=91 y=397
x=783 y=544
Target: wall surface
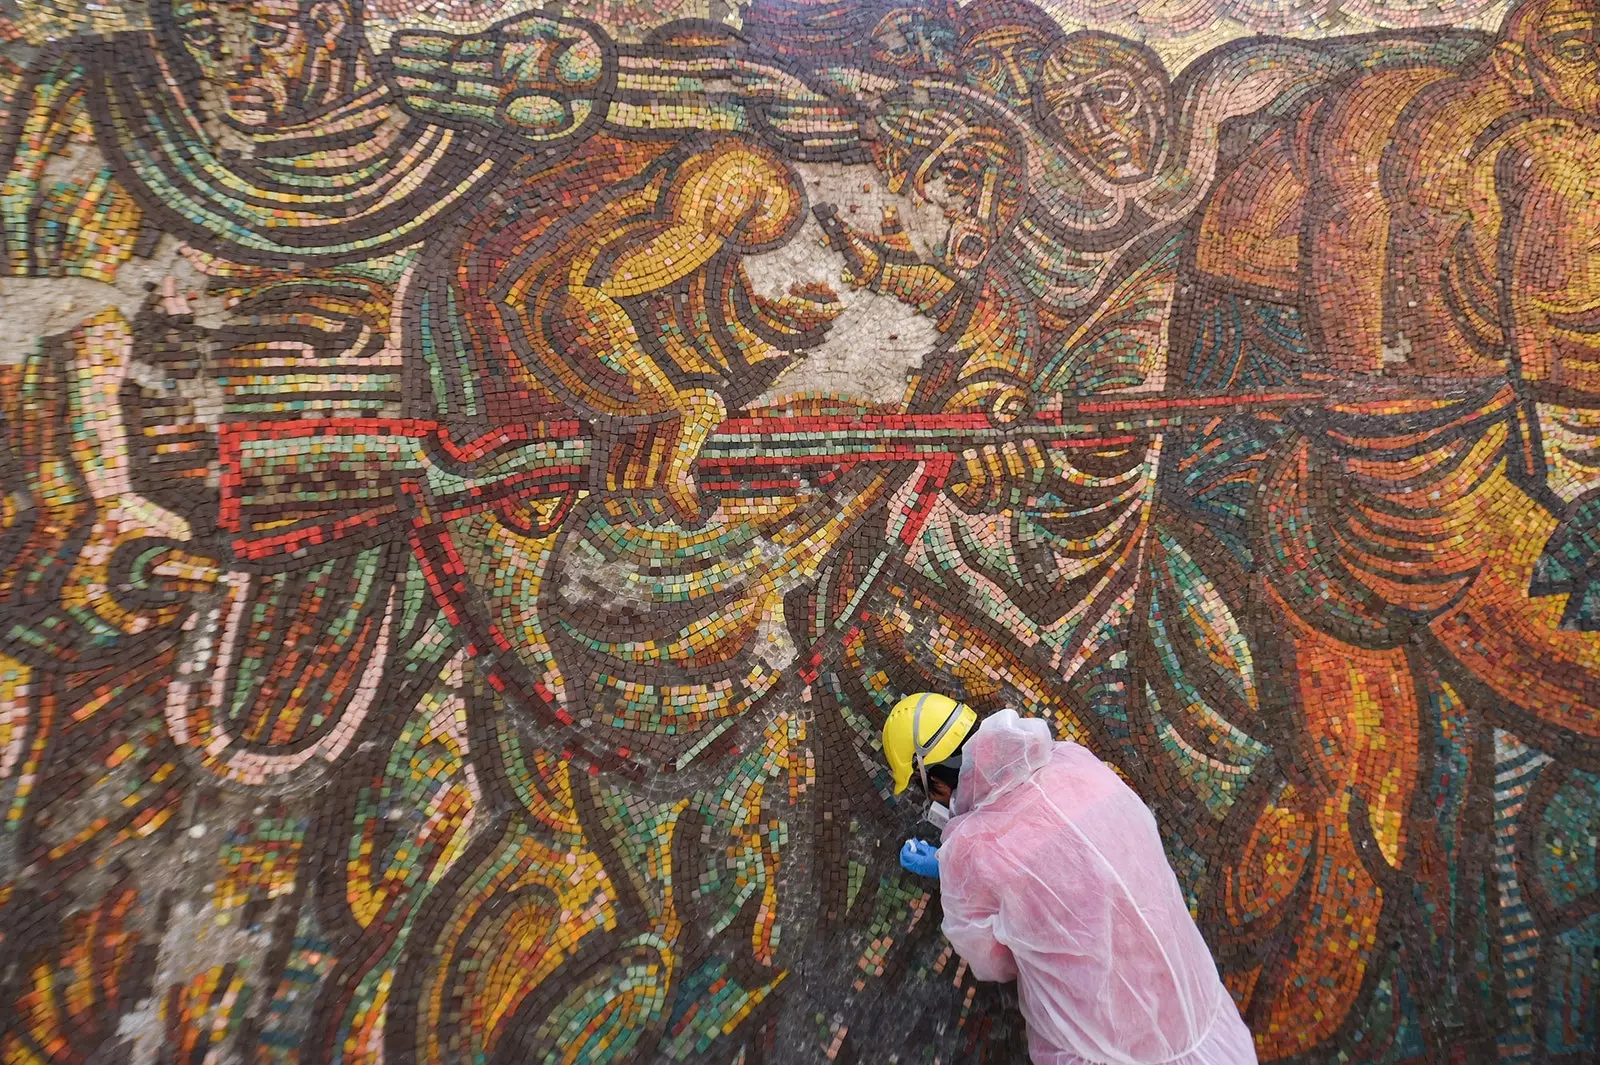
x=476 y=476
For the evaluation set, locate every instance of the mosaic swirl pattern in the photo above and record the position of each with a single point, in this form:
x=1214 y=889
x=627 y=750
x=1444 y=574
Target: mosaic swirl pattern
x=476 y=475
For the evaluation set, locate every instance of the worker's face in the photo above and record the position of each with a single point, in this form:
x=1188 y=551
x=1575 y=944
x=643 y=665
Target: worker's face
x=939 y=792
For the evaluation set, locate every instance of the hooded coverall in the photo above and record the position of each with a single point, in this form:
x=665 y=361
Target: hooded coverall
x=1052 y=874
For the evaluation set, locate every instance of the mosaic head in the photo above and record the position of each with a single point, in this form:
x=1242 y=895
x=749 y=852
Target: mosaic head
x=952 y=154
x=1549 y=51
x=288 y=60
x=1106 y=99
x=1003 y=46
x=916 y=39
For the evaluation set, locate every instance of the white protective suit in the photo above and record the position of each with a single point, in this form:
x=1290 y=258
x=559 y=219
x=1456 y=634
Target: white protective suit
x=1052 y=874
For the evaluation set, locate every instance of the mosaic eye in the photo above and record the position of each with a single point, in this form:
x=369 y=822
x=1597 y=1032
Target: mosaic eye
x=268 y=34
x=200 y=34
x=957 y=170
x=1116 y=97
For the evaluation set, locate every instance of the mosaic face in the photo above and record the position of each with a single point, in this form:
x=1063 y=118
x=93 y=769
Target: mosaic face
x=473 y=480
x=958 y=160
x=915 y=38
x=1557 y=55
x=1005 y=61
x=1107 y=100
x=284 y=71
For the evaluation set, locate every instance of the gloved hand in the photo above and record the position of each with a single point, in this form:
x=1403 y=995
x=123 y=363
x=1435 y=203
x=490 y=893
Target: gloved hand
x=920 y=857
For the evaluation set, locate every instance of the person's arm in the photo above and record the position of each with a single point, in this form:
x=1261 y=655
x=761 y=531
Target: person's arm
x=1515 y=641
x=972 y=902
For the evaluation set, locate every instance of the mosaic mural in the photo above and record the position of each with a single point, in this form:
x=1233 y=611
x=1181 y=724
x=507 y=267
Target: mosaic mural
x=477 y=474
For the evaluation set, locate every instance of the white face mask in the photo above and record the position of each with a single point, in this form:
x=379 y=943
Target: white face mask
x=938 y=815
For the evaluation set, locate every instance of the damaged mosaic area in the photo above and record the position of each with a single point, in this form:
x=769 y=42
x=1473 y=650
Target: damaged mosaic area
x=477 y=474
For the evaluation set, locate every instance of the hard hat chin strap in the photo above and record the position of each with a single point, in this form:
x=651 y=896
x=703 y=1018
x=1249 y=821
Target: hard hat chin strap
x=921 y=750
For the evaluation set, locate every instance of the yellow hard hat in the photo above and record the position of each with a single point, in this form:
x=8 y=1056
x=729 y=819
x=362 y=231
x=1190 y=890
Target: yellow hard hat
x=922 y=730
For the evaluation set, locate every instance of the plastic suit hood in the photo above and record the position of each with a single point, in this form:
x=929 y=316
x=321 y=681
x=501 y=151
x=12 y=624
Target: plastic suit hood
x=1052 y=873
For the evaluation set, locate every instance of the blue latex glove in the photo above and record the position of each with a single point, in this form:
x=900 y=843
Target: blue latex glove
x=920 y=857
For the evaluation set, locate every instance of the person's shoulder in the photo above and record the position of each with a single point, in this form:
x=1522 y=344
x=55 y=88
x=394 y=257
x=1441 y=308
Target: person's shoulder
x=1074 y=757
x=1078 y=775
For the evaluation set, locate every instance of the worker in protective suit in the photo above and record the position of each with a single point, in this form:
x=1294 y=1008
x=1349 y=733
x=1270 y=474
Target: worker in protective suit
x=1052 y=874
